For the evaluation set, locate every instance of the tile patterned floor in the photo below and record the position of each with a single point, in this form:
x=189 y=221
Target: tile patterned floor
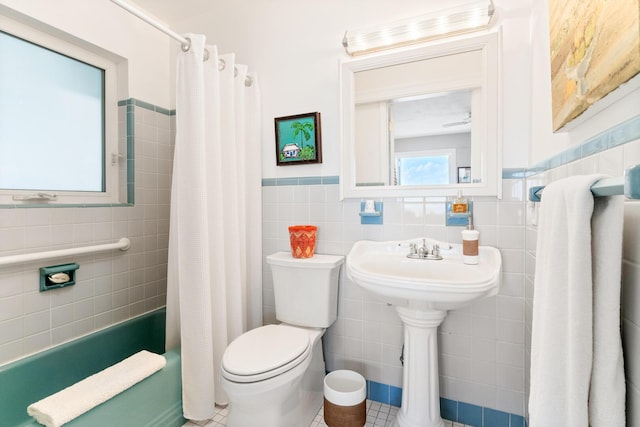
x=378 y=415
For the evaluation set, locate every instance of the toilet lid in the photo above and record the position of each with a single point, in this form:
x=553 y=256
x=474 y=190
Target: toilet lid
x=265 y=352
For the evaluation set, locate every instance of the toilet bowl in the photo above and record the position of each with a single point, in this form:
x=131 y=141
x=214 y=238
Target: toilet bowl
x=284 y=395
x=273 y=375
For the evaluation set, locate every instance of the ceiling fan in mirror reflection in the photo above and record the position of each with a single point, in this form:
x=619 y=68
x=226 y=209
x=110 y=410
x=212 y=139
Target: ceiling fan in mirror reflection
x=462 y=122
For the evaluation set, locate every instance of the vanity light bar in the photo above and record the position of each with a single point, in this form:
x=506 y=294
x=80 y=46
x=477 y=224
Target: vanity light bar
x=471 y=16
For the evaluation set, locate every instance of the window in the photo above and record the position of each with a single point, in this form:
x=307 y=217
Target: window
x=432 y=167
x=58 y=129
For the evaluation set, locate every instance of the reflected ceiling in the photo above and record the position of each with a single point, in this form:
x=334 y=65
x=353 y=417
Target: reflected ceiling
x=434 y=114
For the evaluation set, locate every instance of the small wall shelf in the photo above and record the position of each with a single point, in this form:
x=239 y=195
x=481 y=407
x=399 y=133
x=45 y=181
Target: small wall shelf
x=371 y=217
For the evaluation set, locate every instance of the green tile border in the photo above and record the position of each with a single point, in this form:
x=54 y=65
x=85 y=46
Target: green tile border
x=131 y=158
x=617 y=135
x=301 y=180
x=452 y=410
x=146 y=106
x=478 y=416
x=515 y=173
x=620 y=134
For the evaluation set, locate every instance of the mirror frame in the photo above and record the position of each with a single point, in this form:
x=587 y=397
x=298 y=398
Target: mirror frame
x=491 y=176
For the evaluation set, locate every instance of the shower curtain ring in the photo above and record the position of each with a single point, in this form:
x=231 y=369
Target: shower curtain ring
x=221 y=64
x=186 y=46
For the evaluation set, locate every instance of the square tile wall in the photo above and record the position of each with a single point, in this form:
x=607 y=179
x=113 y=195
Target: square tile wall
x=110 y=287
x=481 y=347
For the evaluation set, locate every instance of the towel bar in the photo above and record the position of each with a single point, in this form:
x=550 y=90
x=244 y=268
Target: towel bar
x=629 y=185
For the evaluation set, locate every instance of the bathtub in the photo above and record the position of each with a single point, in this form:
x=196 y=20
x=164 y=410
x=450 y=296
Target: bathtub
x=155 y=401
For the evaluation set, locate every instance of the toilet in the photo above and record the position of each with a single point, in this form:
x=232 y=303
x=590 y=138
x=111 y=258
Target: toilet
x=273 y=375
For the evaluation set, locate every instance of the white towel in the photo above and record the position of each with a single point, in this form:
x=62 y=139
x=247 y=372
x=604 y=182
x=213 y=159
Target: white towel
x=75 y=400
x=577 y=377
x=607 y=391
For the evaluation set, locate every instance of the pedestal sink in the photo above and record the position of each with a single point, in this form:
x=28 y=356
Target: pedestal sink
x=422 y=290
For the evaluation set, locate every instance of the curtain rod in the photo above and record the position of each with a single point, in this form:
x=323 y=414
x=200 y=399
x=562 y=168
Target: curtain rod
x=185 y=43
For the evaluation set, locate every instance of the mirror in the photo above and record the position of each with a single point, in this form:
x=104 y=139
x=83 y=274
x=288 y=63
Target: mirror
x=422 y=121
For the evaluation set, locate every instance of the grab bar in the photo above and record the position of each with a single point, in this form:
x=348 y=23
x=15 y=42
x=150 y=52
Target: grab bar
x=123 y=244
x=629 y=185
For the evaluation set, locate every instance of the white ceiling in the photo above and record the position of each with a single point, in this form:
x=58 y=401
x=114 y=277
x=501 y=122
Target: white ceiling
x=172 y=11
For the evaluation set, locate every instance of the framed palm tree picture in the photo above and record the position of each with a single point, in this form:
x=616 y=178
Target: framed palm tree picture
x=298 y=139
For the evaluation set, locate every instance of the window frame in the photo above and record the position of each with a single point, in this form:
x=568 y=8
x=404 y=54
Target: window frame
x=67 y=45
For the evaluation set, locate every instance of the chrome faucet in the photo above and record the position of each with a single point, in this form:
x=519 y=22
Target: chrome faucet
x=413 y=249
x=423 y=252
x=435 y=251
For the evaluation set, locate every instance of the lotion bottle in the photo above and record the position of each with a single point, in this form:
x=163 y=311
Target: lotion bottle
x=470 y=244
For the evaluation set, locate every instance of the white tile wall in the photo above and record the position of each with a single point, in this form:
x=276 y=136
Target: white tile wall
x=611 y=162
x=110 y=287
x=481 y=347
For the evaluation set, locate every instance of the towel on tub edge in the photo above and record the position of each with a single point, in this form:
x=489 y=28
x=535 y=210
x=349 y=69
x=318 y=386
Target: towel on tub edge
x=75 y=400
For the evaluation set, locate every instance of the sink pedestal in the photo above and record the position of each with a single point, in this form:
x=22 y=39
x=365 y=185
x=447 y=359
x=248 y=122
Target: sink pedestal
x=422 y=292
x=420 y=386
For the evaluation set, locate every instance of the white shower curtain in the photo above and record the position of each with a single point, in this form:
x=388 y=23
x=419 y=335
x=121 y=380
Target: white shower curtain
x=214 y=289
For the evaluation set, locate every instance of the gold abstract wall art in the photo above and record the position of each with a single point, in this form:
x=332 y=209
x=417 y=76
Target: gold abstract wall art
x=595 y=47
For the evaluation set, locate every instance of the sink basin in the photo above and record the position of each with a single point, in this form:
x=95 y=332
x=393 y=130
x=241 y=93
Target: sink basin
x=384 y=269
x=422 y=290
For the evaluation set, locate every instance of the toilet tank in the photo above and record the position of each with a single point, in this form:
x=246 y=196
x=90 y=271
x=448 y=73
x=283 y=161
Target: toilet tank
x=306 y=289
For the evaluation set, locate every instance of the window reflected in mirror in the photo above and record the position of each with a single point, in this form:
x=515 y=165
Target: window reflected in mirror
x=426 y=167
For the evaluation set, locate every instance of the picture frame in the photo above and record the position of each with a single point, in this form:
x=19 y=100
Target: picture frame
x=585 y=67
x=298 y=139
x=464 y=175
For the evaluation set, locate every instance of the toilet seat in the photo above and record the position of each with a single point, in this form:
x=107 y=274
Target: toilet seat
x=265 y=352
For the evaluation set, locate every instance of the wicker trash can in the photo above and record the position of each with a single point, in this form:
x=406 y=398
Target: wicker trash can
x=345 y=395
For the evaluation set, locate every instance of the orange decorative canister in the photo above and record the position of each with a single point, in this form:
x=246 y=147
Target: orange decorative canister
x=303 y=240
